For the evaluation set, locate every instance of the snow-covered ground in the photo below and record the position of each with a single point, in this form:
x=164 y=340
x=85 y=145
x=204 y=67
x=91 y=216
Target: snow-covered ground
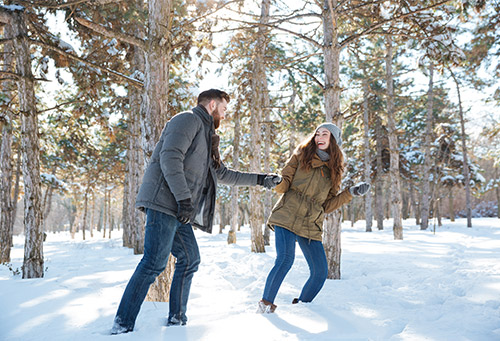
x=442 y=286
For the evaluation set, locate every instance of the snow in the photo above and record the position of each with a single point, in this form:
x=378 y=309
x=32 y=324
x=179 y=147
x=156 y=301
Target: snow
x=447 y=177
x=442 y=286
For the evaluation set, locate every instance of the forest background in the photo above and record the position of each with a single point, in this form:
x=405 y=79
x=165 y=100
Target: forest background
x=87 y=86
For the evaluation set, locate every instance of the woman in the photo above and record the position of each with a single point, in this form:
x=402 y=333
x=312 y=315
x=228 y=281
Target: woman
x=310 y=186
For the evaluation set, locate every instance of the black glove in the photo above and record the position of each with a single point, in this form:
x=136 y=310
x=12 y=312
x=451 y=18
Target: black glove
x=360 y=189
x=184 y=210
x=268 y=180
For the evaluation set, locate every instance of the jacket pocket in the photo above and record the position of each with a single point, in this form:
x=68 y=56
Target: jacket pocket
x=318 y=222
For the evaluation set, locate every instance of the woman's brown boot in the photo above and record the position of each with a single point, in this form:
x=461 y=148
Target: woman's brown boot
x=266 y=307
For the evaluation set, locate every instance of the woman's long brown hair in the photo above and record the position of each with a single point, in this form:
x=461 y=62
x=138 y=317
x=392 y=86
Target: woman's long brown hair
x=307 y=149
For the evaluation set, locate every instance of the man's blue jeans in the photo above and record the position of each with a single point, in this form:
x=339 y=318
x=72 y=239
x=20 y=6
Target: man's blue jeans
x=164 y=235
x=285 y=254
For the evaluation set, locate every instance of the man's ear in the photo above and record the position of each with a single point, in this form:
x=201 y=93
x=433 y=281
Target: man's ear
x=213 y=105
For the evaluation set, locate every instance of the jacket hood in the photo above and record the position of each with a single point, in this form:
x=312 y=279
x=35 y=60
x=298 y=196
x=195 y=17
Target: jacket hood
x=317 y=162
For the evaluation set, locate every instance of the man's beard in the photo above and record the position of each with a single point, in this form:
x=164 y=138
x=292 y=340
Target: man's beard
x=216 y=117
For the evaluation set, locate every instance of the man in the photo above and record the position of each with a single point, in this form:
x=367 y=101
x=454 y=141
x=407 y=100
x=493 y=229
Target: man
x=178 y=191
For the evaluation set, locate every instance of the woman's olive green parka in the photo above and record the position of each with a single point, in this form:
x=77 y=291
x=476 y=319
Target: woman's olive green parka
x=307 y=196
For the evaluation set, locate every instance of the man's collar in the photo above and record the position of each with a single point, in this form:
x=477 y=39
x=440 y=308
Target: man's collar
x=204 y=115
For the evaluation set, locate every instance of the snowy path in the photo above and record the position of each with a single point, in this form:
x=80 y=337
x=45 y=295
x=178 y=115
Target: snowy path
x=443 y=286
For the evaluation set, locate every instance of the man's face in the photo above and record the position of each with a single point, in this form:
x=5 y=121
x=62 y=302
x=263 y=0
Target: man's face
x=218 y=111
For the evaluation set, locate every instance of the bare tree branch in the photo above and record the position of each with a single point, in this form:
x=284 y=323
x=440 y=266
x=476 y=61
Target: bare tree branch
x=57 y=5
x=129 y=39
x=312 y=76
x=361 y=5
x=59 y=105
x=224 y=5
x=12 y=74
x=130 y=80
x=255 y=24
x=354 y=37
x=15 y=76
x=5 y=41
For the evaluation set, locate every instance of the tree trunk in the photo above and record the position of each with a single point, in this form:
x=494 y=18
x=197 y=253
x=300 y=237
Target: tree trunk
x=48 y=203
x=451 y=207
x=159 y=291
x=85 y=210
x=101 y=216
x=438 y=211
x=497 y=191
x=92 y=216
x=406 y=209
x=379 y=183
x=231 y=236
x=331 y=54
x=33 y=247
x=259 y=87
x=6 y=201
x=110 y=214
x=413 y=201
x=136 y=219
x=426 y=193
x=395 y=187
x=293 y=134
x=268 y=197
x=268 y=201
x=352 y=212
x=105 y=209
x=126 y=196
x=16 y=193
x=154 y=105
x=367 y=158
x=154 y=111
x=464 y=153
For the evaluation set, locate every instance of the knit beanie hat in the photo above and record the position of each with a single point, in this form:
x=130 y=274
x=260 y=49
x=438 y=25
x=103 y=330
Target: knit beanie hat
x=334 y=130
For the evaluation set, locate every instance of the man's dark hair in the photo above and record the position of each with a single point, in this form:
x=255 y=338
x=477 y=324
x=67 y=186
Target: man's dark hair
x=208 y=95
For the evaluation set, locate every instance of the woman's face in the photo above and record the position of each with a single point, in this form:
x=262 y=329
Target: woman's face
x=322 y=138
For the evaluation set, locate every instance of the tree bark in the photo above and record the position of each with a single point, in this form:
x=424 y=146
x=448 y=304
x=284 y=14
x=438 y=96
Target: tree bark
x=85 y=210
x=16 y=193
x=293 y=133
x=464 y=153
x=379 y=183
x=497 y=191
x=126 y=196
x=33 y=247
x=259 y=87
x=367 y=158
x=426 y=193
x=395 y=187
x=154 y=110
x=267 y=162
x=331 y=55
x=6 y=201
x=92 y=216
x=135 y=235
x=231 y=236
x=438 y=211
x=451 y=207
x=105 y=208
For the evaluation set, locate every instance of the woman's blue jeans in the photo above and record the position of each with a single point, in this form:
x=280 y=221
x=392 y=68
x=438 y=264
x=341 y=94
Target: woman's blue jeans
x=315 y=256
x=164 y=235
